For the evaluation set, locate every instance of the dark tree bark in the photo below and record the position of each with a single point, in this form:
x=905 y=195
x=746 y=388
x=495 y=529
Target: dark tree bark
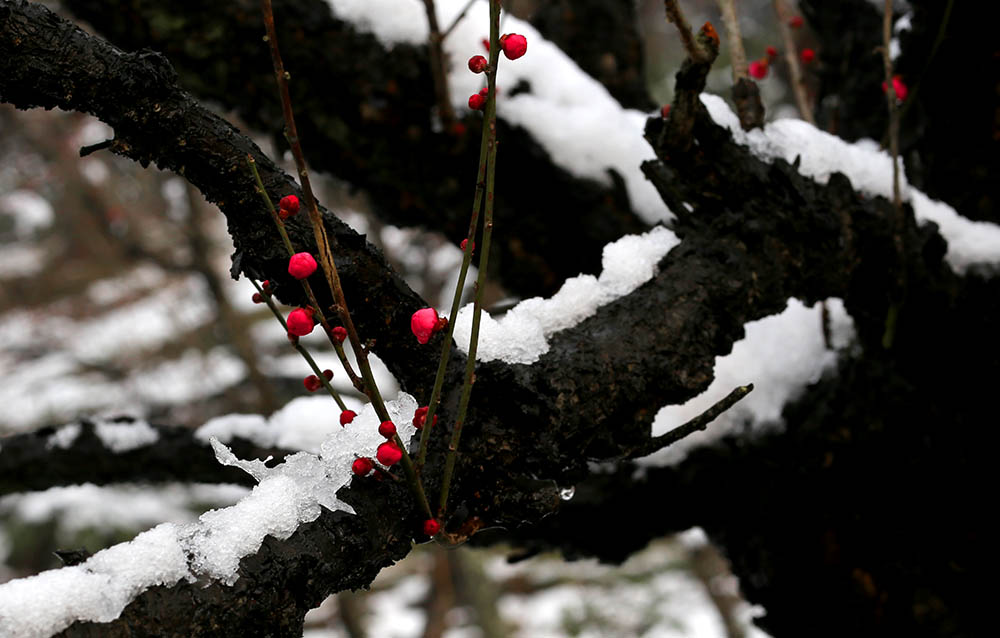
x=366 y=115
x=804 y=516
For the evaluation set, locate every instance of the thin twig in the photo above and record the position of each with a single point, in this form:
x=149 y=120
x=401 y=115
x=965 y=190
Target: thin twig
x=892 y=316
x=298 y=346
x=457 y=298
x=437 y=61
x=696 y=424
x=675 y=15
x=326 y=257
x=306 y=287
x=458 y=18
x=490 y=122
x=737 y=55
x=792 y=59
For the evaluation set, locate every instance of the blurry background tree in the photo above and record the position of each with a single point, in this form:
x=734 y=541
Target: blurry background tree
x=861 y=516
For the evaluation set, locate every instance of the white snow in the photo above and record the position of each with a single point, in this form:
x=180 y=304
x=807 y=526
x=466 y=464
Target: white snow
x=64 y=436
x=286 y=496
x=123 y=437
x=30 y=211
x=521 y=336
x=781 y=355
x=870 y=170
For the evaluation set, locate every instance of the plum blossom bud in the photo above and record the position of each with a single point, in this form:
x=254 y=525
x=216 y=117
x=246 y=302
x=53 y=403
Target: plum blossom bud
x=424 y=323
x=301 y=265
x=300 y=322
x=477 y=64
x=513 y=45
x=347 y=416
x=388 y=454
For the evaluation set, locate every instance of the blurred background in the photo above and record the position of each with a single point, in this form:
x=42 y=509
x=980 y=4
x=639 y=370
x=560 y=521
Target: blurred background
x=116 y=299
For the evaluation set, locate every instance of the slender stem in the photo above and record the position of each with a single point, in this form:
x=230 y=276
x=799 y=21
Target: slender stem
x=737 y=55
x=355 y=380
x=892 y=316
x=457 y=298
x=792 y=59
x=675 y=15
x=298 y=346
x=484 y=256
x=437 y=61
x=323 y=244
x=700 y=422
x=458 y=18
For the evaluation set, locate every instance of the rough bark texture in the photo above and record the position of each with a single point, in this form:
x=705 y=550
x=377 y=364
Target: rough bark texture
x=861 y=520
x=365 y=115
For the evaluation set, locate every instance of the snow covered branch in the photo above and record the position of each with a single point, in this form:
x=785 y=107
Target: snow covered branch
x=122 y=450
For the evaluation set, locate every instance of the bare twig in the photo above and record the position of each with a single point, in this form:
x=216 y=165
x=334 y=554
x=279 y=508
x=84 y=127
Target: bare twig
x=792 y=59
x=437 y=61
x=458 y=18
x=889 y=335
x=326 y=257
x=675 y=15
x=746 y=94
x=737 y=55
x=700 y=422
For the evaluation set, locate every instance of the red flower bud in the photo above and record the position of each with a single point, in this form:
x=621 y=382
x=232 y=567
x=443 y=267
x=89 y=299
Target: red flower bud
x=347 y=416
x=388 y=454
x=477 y=64
x=771 y=52
x=795 y=22
x=362 y=466
x=312 y=383
x=258 y=299
x=431 y=527
x=477 y=102
x=465 y=242
x=899 y=87
x=485 y=91
x=807 y=55
x=758 y=69
x=420 y=416
x=300 y=322
x=387 y=429
x=665 y=111
x=424 y=323
x=513 y=45
x=301 y=265
x=339 y=333
x=289 y=205
x=486 y=44
x=328 y=374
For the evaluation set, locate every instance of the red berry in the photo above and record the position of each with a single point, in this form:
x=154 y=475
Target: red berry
x=258 y=299
x=347 y=416
x=300 y=322
x=795 y=22
x=477 y=64
x=431 y=527
x=362 y=466
x=424 y=323
x=388 y=454
x=807 y=55
x=339 y=333
x=485 y=91
x=513 y=45
x=758 y=69
x=312 y=383
x=328 y=374
x=289 y=204
x=387 y=429
x=476 y=102
x=899 y=87
x=665 y=111
x=771 y=52
x=301 y=265
x=420 y=416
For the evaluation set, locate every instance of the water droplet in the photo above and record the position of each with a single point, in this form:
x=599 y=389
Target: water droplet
x=567 y=493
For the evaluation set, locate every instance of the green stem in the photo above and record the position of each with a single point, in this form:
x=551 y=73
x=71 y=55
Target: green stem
x=484 y=256
x=298 y=346
x=323 y=245
x=457 y=299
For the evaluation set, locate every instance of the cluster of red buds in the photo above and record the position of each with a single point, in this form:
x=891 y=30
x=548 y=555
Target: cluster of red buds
x=312 y=382
x=758 y=68
x=288 y=206
x=420 y=416
x=513 y=45
x=899 y=87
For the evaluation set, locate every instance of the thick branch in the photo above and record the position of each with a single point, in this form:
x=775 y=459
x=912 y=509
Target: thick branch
x=39 y=460
x=367 y=113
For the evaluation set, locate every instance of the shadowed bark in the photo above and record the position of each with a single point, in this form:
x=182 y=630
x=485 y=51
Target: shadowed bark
x=756 y=235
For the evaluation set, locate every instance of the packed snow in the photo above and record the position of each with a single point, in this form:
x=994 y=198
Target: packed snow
x=286 y=496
